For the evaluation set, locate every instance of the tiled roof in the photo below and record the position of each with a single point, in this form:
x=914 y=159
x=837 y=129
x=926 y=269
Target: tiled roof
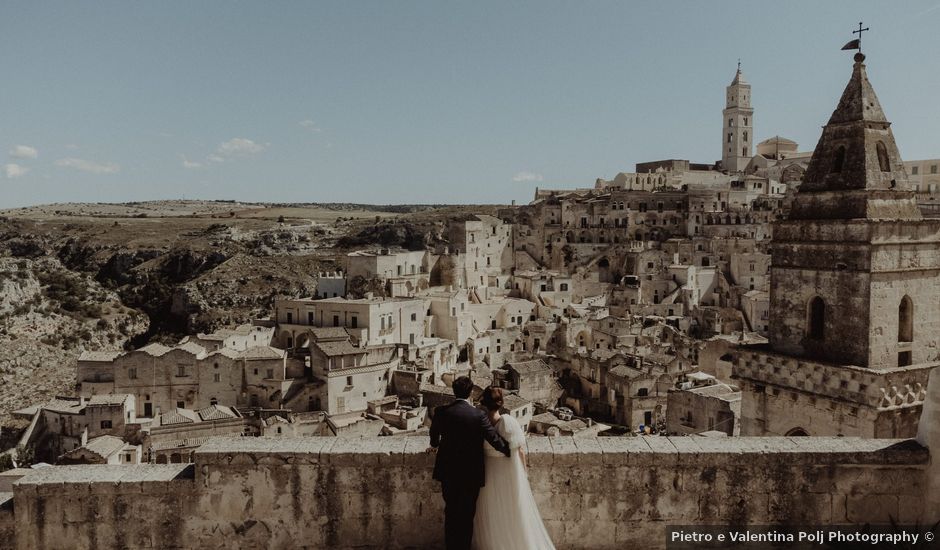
x=154 y=349
x=178 y=416
x=333 y=349
x=179 y=443
x=329 y=333
x=529 y=367
x=215 y=412
x=263 y=352
x=434 y=388
x=192 y=347
x=107 y=399
x=105 y=445
x=227 y=352
x=100 y=356
x=513 y=402
x=624 y=371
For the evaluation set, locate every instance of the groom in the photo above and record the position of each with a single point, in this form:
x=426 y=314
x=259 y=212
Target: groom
x=457 y=432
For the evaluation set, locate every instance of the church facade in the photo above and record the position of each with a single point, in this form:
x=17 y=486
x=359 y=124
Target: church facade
x=855 y=280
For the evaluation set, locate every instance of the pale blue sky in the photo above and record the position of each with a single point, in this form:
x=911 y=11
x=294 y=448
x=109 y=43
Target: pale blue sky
x=422 y=102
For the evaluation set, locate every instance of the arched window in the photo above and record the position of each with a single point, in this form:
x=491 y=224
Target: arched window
x=213 y=401
x=838 y=160
x=797 y=432
x=906 y=320
x=817 y=318
x=882 y=157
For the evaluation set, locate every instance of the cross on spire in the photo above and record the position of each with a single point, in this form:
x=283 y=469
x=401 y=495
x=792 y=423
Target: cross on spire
x=739 y=64
x=859 y=33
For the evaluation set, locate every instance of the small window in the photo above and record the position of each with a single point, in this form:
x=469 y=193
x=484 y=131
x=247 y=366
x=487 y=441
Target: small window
x=181 y=371
x=180 y=404
x=216 y=377
x=906 y=320
x=882 y=152
x=414 y=316
x=838 y=160
x=290 y=317
x=105 y=424
x=914 y=170
x=349 y=380
x=132 y=373
x=817 y=318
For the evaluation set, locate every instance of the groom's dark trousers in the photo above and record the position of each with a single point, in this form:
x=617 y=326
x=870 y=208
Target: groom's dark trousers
x=460 y=506
x=458 y=432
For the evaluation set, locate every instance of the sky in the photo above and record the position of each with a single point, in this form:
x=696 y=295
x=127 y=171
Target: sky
x=423 y=101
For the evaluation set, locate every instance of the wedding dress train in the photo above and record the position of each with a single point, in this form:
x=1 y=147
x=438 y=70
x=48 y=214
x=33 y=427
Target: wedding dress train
x=507 y=517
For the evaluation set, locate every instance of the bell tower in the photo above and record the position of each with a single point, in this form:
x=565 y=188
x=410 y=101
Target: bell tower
x=737 y=134
x=854 y=279
x=855 y=268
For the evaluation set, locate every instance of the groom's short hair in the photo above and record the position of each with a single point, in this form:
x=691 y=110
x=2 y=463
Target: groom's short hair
x=462 y=387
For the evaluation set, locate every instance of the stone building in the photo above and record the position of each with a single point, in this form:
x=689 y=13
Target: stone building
x=854 y=318
x=162 y=378
x=401 y=272
x=700 y=404
x=370 y=320
x=485 y=246
x=532 y=380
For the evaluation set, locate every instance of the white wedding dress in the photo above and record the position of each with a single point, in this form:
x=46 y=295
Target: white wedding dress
x=507 y=517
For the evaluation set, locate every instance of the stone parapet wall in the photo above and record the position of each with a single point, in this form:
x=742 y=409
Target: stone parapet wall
x=879 y=389
x=7 y=524
x=378 y=492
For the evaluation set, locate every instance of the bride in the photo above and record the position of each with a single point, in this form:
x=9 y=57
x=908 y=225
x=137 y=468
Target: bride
x=507 y=517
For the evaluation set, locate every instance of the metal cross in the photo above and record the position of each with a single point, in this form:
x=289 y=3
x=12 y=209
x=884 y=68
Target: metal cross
x=859 y=33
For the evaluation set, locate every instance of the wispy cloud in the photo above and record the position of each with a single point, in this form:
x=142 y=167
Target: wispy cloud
x=24 y=152
x=926 y=11
x=239 y=147
x=191 y=164
x=89 y=166
x=310 y=125
x=525 y=176
x=228 y=150
x=13 y=170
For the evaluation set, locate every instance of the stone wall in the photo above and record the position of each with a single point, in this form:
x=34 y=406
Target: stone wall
x=783 y=393
x=378 y=493
x=7 y=525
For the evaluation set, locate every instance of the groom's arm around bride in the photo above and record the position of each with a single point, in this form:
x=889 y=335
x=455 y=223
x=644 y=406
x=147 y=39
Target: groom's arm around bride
x=457 y=432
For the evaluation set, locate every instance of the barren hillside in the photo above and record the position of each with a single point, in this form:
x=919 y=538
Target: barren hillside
x=106 y=276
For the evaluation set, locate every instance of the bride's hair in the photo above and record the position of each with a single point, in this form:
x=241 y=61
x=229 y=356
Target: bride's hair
x=492 y=398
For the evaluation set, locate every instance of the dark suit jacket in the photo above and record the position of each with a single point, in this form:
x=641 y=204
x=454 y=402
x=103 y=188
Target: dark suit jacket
x=458 y=431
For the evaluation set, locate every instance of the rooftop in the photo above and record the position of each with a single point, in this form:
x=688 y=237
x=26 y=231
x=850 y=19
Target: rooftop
x=529 y=367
